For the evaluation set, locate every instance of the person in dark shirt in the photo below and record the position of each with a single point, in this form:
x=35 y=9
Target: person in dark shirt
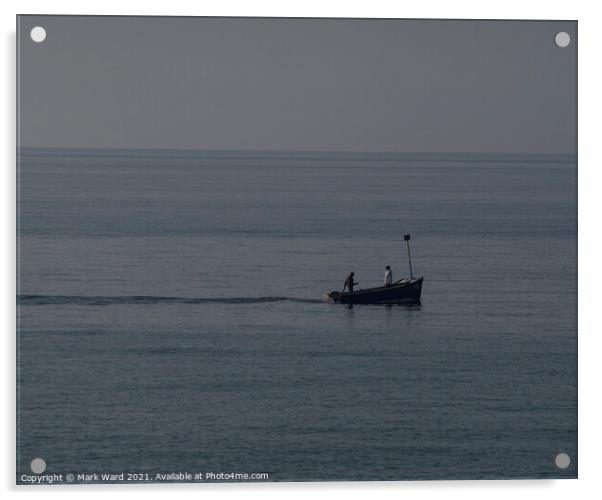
x=349 y=283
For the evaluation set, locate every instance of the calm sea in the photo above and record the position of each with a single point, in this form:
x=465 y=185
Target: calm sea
x=169 y=315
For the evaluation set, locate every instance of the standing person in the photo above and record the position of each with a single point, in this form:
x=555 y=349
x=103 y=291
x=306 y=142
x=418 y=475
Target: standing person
x=388 y=276
x=349 y=283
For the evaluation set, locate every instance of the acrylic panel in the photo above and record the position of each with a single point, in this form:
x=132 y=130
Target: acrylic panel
x=277 y=249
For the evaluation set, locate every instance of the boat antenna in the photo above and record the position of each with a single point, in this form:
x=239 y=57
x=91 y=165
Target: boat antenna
x=406 y=238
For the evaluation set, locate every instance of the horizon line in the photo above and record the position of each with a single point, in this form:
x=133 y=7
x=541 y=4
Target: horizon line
x=289 y=151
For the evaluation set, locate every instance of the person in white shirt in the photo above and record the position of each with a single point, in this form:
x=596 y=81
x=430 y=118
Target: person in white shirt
x=388 y=276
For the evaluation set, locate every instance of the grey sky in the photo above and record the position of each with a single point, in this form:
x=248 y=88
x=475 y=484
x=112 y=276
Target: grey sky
x=306 y=84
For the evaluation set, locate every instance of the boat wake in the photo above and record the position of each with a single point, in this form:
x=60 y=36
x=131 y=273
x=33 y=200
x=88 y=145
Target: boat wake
x=86 y=300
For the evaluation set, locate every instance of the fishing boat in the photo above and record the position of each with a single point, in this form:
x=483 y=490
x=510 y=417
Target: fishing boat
x=403 y=291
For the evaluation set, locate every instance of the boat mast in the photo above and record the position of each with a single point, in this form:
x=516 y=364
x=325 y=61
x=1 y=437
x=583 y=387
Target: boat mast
x=406 y=238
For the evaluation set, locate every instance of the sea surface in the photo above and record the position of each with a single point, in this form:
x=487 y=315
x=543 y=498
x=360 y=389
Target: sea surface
x=170 y=315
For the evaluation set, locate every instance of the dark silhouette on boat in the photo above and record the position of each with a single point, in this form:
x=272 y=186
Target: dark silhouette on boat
x=403 y=291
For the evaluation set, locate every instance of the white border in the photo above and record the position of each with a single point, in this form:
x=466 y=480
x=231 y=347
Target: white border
x=590 y=227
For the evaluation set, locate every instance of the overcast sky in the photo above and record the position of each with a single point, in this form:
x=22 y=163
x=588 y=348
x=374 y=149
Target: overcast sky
x=306 y=84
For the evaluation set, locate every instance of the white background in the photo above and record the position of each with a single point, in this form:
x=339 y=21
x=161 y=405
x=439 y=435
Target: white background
x=590 y=226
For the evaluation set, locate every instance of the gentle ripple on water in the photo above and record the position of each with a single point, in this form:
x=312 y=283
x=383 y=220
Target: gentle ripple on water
x=171 y=320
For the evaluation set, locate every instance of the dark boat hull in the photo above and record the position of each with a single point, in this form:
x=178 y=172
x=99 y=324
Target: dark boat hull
x=401 y=292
